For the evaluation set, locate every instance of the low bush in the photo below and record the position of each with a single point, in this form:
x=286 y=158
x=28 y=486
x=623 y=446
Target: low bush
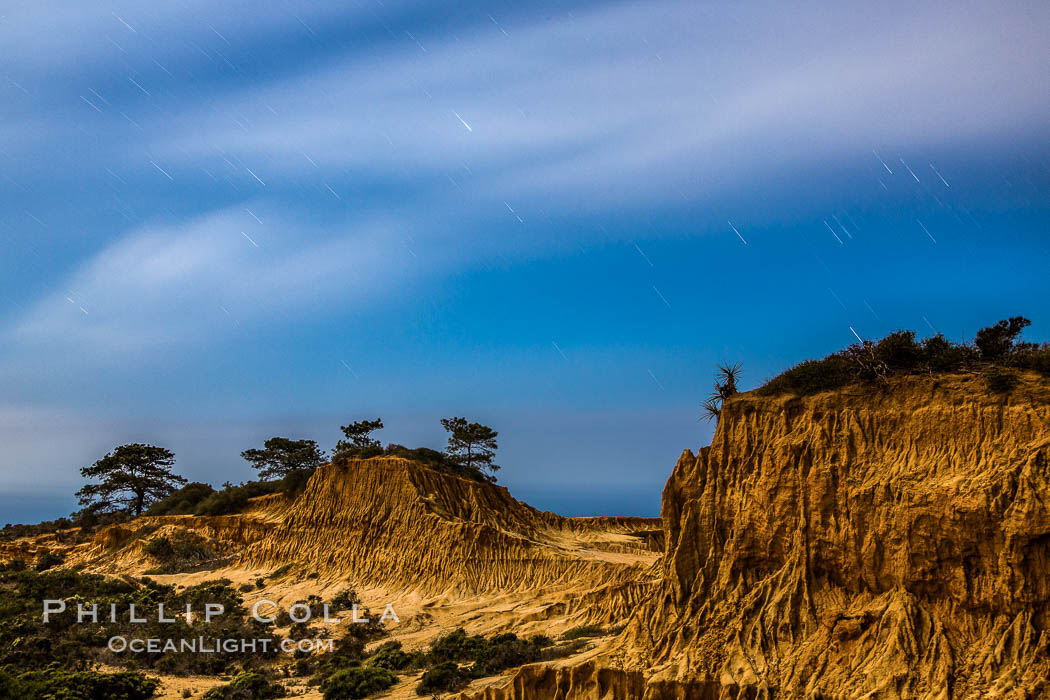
x=502 y=652
x=583 y=631
x=182 y=502
x=233 y=499
x=446 y=653
x=446 y=677
x=393 y=658
x=179 y=552
x=12 y=532
x=349 y=649
x=355 y=683
x=247 y=686
x=47 y=560
x=345 y=599
x=455 y=646
x=59 y=684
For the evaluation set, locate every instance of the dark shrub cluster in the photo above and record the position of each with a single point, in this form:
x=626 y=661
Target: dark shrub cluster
x=13 y=532
x=393 y=658
x=355 y=683
x=446 y=677
x=54 y=682
x=349 y=649
x=182 y=551
x=247 y=686
x=202 y=499
x=583 y=631
x=182 y=502
x=995 y=350
x=479 y=657
x=47 y=560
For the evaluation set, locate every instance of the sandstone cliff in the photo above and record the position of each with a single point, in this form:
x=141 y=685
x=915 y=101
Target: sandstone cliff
x=859 y=544
x=394 y=523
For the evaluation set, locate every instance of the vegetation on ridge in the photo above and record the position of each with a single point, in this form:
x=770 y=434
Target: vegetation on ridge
x=137 y=479
x=470 y=452
x=996 y=351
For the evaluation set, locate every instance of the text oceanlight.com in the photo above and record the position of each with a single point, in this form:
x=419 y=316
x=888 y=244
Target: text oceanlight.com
x=200 y=645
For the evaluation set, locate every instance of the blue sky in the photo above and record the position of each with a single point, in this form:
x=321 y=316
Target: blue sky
x=225 y=222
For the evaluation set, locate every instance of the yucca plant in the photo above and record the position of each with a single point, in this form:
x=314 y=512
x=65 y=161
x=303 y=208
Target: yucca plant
x=725 y=386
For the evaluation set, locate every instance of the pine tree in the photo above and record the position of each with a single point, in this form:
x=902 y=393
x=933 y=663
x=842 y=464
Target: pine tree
x=133 y=477
x=471 y=445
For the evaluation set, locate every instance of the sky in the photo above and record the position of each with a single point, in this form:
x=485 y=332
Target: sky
x=221 y=222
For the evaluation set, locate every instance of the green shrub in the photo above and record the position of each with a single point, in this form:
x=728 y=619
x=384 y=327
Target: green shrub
x=502 y=652
x=456 y=646
x=354 y=683
x=181 y=551
x=48 y=560
x=899 y=351
x=811 y=377
x=233 y=499
x=583 y=631
x=345 y=599
x=391 y=657
x=540 y=641
x=182 y=502
x=247 y=686
x=282 y=570
x=58 y=684
x=12 y=532
x=349 y=649
x=446 y=677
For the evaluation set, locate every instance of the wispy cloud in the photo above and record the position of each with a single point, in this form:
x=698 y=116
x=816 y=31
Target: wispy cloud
x=629 y=99
x=614 y=106
x=168 y=285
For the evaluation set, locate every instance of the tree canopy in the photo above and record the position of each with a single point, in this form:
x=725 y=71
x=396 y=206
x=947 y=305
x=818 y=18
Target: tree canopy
x=471 y=445
x=133 y=477
x=995 y=342
x=281 y=456
x=359 y=441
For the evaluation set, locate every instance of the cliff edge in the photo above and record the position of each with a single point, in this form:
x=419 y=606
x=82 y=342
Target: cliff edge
x=862 y=543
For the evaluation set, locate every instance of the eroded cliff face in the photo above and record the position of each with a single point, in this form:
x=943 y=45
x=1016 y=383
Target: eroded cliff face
x=863 y=543
x=866 y=543
x=393 y=523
